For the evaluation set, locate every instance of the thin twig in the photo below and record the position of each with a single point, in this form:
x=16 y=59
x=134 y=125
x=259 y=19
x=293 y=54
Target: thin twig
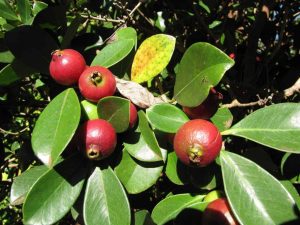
x=292 y=90
x=104 y=19
x=236 y=103
x=13 y=133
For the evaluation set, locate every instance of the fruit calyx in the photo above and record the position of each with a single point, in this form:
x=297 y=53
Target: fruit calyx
x=96 y=78
x=93 y=152
x=195 y=153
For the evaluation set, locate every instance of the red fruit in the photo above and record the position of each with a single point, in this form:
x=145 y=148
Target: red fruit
x=98 y=139
x=232 y=55
x=207 y=108
x=132 y=115
x=66 y=66
x=96 y=82
x=218 y=213
x=197 y=143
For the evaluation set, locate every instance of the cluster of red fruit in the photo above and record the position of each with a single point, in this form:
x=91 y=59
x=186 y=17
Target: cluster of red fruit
x=96 y=137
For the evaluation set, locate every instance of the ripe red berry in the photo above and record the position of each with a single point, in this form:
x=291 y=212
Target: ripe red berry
x=132 y=115
x=207 y=108
x=232 y=55
x=96 y=82
x=66 y=66
x=97 y=139
x=197 y=143
x=218 y=212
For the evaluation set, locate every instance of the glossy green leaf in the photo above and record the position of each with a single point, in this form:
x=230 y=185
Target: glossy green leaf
x=166 y=117
x=290 y=167
x=24 y=9
x=222 y=119
x=6 y=57
x=89 y=110
x=152 y=57
x=276 y=126
x=113 y=53
x=170 y=207
x=105 y=200
x=24 y=182
x=146 y=148
x=142 y=217
x=55 y=127
x=53 y=195
x=38 y=6
x=175 y=170
x=205 y=178
x=201 y=67
x=269 y=205
x=14 y=72
x=116 y=111
x=6 y=11
x=138 y=176
x=127 y=33
x=31 y=45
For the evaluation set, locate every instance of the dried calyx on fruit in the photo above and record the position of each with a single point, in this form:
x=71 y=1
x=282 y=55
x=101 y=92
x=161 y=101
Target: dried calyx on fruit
x=66 y=66
x=97 y=139
x=96 y=82
x=197 y=143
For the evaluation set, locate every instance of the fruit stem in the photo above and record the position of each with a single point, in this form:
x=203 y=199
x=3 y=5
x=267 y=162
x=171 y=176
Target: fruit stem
x=195 y=153
x=96 y=78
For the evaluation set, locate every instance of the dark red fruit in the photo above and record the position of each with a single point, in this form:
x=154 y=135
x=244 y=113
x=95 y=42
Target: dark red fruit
x=197 y=143
x=218 y=212
x=96 y=82
x=66 y=66
x=132 y=115
x=207 y=108
x=98 y=139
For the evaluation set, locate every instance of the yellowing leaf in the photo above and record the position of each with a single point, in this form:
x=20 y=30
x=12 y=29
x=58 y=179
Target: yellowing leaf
x=152 y=57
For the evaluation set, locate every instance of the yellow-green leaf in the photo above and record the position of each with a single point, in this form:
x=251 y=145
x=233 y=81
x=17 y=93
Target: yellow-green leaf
x=152 y=57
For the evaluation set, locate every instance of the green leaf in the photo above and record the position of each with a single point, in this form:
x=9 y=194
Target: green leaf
x=55 y=127
x=214 y=24
x=142 y=217
x=147 y=148
x=170 y=207
x=113 y=53
x=38 y=6
x=138 y=176
x=269 y=205
x=14 y=72
x=175 y=170
x=222 y=119
x=116 y=111
x=24 y=182
x=53 y=195
x=127 y=33
x=289 y=167
x=166 y=117
x=276 y=126
x=201 y=67
x=6 y=11
x=24 y=9
x=6 y=57
x=105 y=200
x=204 y=6
x=152 y=57
x=31 y=45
